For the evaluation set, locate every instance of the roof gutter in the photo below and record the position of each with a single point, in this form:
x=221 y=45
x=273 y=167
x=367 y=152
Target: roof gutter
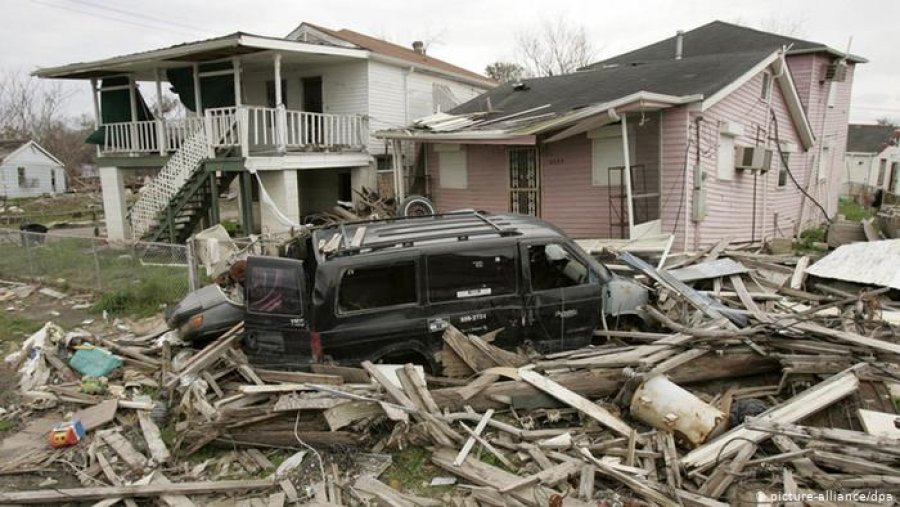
x=456 y=137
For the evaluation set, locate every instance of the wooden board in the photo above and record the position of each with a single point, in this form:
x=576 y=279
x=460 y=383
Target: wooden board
x=45 y=496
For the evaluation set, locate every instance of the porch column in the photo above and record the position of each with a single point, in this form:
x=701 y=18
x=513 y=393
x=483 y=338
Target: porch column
x=97 y=120
x=283 y=188
x=397 y=164
x=160 y=123
x=112 y=184
x=134 y=142
x=198 y=105
x=280 y=113
x=236 y=65
x=629 y=197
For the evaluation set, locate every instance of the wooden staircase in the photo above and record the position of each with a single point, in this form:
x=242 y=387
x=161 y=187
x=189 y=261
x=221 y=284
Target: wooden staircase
x=187 y=209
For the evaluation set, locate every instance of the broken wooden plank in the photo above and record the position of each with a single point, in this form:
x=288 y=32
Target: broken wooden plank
x=209 y=355
x=468 y=352
x=298 y=377
x=799 y=274
x=124 y=449
x=643 y=490
x=808 y=402
x=153 y=437
x=467 y=447
x=141 y=491
x=576 y=401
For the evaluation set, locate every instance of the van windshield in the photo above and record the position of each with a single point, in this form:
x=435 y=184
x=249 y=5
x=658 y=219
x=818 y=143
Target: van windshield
x=274 y=290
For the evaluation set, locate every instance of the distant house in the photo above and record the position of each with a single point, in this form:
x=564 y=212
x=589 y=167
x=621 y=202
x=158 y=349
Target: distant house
x=287 y=118
x=27 y=170
x=872 y=160
x=697 y=135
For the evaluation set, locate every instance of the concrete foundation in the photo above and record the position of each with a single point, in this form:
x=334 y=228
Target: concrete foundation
x=112 y=182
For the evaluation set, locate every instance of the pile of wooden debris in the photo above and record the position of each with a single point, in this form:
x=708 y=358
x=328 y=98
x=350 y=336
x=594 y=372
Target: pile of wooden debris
x=758 y=386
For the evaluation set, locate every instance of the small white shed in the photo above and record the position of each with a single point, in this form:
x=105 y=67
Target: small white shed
x=27 y=169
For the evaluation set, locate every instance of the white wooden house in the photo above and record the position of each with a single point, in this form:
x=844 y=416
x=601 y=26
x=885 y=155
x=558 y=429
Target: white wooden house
x=27 y=170
x=290 y=118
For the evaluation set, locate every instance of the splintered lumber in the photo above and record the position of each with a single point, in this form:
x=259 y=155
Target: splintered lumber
x=723 y=476
x=467 y=351
x=467 y=447
x=209 y=355
x=384 y=494
x=482 y=474
x=298 y=377
x=152 y=436
x=882 y=444
x=806 y=403
x=292 y=402
x=639 y=487
x=350 y=375
x=856 y=339
x=69 y=495
x=606 y=382
x=880 y=424
x=345 y=414
x=575 y=401
x=549 y=477
x=124 y=449
x=487 y=445
x=170 y=500
x=586 y=482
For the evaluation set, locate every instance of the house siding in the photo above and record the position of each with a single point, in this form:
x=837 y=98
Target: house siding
x=678 y=158
x=488 y=181
x=38 y=171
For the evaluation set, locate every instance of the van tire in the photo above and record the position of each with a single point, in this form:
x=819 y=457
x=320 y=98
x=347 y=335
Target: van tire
x=416 y=206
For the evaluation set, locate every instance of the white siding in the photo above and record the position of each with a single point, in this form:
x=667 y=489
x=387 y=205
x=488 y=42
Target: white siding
x=38 y=174
x=344 y=86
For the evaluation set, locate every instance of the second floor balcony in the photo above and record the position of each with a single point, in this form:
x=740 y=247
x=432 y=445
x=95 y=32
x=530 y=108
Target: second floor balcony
x=239 y=130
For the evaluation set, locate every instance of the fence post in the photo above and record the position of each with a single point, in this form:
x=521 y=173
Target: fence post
x=193 y=279
x=97 y=264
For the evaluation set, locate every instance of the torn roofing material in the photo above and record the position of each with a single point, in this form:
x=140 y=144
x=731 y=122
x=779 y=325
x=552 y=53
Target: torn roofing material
x=868 y=263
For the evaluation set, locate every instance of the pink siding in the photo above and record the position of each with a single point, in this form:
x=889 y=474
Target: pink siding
x=674 y=202
x=488 y=181
x=569 y=199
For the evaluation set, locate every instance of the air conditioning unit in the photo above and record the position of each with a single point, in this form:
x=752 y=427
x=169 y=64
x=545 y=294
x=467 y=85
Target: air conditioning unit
x=752 y=158
x=836 y=71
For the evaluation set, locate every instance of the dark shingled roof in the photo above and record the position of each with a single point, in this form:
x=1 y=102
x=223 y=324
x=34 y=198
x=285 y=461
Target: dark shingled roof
x=717 y=37
x=869 y=138
x=704 y=75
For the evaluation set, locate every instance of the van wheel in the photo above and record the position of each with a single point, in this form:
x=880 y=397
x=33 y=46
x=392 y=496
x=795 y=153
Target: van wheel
x=408 y=356
x=415 y=206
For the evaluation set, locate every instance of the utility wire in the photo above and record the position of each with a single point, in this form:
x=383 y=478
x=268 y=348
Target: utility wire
x=149 y=17
x=110 y=18
x=784 y=162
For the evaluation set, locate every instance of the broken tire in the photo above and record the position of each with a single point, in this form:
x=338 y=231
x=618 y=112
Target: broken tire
x=415 y=206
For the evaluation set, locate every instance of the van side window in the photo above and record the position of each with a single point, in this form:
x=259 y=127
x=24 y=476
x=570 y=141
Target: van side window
x=368 y=287
x=486 y=272
x=553 y=267
x=273 y=290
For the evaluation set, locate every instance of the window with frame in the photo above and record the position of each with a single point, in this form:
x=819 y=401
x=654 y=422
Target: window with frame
x=23 y=181
x=824 y=162
x=882 y=170
x=453 y=171
x=377 y=286
x=384 y=163
x=552 y=266
x=274 y=290
x=784 y=164
x=472 y=274
x=766 y=89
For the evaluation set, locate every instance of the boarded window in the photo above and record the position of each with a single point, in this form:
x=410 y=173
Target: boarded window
x=554 y=267
x=464 y=275
x=606 y=152
x=452 y=167
x=274 y=290
x=366 y=288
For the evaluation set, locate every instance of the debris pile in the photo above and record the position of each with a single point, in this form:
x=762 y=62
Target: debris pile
x=753 y=384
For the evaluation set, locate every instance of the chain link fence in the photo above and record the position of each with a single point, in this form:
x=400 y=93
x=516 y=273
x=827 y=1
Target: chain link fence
x=158 y=272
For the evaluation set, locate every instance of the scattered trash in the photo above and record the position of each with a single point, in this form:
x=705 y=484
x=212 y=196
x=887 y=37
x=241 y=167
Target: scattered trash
x=94 y=362
x=66 y=434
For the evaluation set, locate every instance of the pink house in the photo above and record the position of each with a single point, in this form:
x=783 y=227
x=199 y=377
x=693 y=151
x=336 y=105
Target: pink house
x=722 y=131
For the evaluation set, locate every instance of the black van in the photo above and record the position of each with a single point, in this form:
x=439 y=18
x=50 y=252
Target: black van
x=386 y=290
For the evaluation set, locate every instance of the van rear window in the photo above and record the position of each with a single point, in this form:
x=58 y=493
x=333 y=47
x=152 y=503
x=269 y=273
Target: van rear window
x=464 y=275
x=273 y=290
x=369 y=287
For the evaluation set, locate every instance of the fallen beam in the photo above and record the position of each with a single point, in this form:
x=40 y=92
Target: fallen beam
x=144 y=490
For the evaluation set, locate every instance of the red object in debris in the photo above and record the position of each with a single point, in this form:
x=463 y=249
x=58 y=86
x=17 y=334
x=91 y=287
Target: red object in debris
x=66 y=434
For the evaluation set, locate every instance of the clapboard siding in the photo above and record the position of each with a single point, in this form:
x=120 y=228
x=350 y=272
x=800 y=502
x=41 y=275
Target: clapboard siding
x=387 y=102
x=676 y=167
x=488 y=181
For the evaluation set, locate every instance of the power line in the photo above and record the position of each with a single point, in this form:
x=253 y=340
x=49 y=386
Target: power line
x=110 y=18
x=148 y=17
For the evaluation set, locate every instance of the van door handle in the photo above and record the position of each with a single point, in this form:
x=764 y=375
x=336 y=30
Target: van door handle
x=435 y=325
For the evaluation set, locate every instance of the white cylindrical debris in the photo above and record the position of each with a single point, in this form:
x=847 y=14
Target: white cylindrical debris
x=664 y=405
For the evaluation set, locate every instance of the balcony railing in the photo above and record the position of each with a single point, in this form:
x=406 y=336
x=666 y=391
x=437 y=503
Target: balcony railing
x=253 y=129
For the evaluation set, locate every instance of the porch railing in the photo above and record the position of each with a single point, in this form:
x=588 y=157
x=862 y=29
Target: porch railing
x=252 y=128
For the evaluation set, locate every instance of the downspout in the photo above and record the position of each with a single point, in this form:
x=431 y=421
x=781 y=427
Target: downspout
x=765 y=204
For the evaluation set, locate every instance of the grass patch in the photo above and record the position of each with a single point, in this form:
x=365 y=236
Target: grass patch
x=808 y=237
x=853 y=210
x=143 y=299
x=6 y=426
x=16 y=327
x=411 y=471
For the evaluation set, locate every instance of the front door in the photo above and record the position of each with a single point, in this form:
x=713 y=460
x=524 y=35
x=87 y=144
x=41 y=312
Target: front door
x=564 y=296
x=313 y=103
x=276 y=326
x=524 y=181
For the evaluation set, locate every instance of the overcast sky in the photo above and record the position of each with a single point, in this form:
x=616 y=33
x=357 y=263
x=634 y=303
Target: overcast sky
x=470 y=33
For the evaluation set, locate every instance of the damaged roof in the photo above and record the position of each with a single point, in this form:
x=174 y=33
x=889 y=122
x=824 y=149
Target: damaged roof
x=870 y=138
x=719 y=37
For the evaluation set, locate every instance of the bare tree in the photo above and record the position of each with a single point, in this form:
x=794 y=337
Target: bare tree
x=504 y=72
x=31 y=108
x=555 y=47
x=887 y=121
x=787 y=25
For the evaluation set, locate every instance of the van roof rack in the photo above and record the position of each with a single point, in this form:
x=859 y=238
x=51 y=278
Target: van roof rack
x=407 y=231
